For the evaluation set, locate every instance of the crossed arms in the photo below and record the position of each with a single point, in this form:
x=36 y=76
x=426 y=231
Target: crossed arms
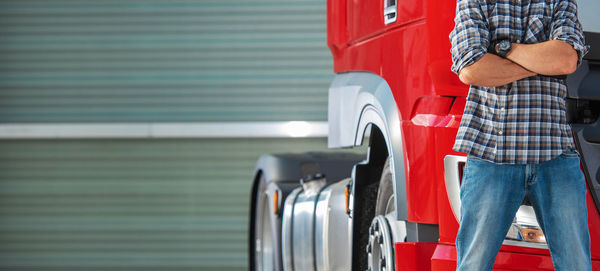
x=553 y=57
x=470 y=40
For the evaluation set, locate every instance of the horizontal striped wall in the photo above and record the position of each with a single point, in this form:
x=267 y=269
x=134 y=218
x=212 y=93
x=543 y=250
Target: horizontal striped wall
x=129 y=204
x=163 y=61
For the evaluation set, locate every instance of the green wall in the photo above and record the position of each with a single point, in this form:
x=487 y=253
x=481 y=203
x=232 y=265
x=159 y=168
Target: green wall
x=161 y=60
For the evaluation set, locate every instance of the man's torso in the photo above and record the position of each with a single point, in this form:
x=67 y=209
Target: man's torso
x=523 y=122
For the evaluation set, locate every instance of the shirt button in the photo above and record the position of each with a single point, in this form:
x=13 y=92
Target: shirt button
x=518 y=41
x=502 y=109
x=500 y=132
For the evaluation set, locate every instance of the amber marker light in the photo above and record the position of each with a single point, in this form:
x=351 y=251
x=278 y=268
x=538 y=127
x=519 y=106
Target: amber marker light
x=276 y=202
x=347 y=193
x=532 y=234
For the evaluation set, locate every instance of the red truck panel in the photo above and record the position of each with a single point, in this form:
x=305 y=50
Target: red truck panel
x=365 y=17
x=444 y=259
x=413 y=56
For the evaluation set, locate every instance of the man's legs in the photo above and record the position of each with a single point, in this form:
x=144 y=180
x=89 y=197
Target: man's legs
x=558 y=197
x=491 y=195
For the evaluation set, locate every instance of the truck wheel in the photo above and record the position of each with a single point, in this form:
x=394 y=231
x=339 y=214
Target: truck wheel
x=380 y=248
x=265 y=238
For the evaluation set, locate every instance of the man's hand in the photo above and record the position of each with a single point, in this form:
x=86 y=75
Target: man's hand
x=552 y=57
x=492 y=71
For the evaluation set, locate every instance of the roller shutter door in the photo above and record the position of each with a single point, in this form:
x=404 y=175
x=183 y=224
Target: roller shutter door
x=147 y=204
x=129 y=204
x=160 y=61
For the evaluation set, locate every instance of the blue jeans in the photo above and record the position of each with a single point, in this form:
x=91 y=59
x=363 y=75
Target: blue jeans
x=491 y=195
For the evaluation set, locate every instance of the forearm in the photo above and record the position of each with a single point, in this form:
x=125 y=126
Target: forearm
x=553 y=57
x=492 y=70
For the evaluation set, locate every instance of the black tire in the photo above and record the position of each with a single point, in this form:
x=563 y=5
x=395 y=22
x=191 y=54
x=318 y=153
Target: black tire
x=385 y=194
x=265 y=248
x=380 y=249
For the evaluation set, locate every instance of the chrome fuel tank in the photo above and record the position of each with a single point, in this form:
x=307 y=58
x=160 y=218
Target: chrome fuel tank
x=316 y=230
x=333 y=229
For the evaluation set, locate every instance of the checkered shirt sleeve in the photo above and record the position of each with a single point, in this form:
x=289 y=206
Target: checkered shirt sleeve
x=566 y=27
x=470 y=37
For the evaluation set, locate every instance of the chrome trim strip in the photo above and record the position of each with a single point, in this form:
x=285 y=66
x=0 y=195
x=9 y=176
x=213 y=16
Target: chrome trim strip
x=525 y=244
x=303 y=224
x=286 y=230
x=321 y=229
x=275 y=129
x=452 y=180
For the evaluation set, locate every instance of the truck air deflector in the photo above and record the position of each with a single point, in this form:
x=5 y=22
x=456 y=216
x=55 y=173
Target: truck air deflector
x=590 y=159
x=583 y=113
x=593 y=39
x=584 y=83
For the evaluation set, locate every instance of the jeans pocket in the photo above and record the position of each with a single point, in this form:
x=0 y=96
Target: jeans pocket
x=570 y=154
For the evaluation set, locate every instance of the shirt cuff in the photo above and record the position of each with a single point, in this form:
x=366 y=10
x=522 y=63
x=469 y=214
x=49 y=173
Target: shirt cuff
x=467 y=59
x=579 y=47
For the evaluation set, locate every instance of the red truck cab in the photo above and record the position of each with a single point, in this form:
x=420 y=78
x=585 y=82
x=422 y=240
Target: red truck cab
x=412 y=54
x=394 y=90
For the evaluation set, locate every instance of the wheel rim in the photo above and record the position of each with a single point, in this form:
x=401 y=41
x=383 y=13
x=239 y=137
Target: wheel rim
x=380 y=251
x=380 y=246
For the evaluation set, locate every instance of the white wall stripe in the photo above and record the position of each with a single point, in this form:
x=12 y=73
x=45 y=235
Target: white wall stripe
x=278 y=129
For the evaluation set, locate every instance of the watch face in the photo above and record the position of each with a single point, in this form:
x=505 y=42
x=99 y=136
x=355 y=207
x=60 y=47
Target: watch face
x=504 y=45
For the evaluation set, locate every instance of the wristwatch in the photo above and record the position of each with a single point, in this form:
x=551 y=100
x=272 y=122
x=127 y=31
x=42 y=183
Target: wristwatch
x=503 y=47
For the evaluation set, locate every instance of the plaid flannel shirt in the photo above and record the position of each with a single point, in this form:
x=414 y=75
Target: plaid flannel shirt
x=523 y=122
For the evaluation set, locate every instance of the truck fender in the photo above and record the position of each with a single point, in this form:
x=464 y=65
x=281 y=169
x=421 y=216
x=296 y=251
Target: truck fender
x=358 y=100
